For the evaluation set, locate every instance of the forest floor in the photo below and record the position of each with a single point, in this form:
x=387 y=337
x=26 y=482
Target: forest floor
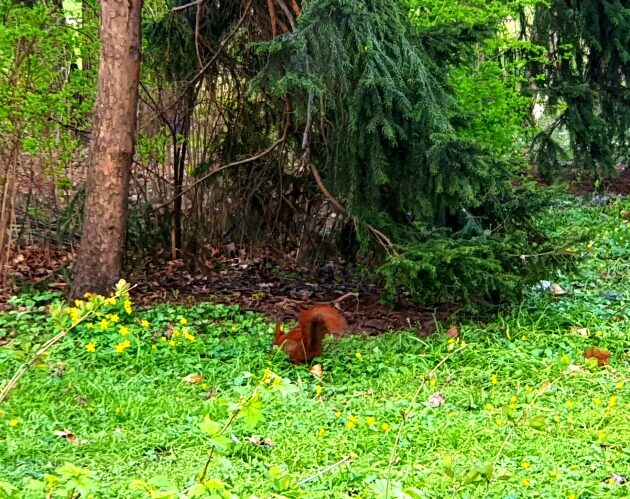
x=131 y=403
x=278 y=290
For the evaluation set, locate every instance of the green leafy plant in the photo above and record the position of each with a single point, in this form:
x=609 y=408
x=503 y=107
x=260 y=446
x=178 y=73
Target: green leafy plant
x=518 y=411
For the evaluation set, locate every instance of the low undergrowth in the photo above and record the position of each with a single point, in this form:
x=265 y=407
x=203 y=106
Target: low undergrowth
x=136 y=404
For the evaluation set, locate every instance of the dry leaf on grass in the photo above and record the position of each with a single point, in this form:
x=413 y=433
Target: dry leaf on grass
x=317 y=371
x=69 y=436
x=436 y=400
x=258 y=440
x=556 y=290
x=582 y=331
x=193 y=379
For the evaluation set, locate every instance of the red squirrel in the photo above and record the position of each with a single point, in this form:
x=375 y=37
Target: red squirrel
x=305 y=341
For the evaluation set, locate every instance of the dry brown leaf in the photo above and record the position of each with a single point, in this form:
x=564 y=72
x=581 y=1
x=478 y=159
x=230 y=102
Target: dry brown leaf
x=436 y=400
x=193 y=379
x=453 y=332
x=602 y=356
x=258 y=440
x=317 y=371
x=69 y=436
x=625 y=214
x=582 y=331
x=556 y=290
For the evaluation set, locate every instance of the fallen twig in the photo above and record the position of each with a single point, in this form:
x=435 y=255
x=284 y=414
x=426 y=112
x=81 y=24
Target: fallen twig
x=327 y=469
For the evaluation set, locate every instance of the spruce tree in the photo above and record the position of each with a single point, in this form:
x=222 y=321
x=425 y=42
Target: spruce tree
x=585 y=78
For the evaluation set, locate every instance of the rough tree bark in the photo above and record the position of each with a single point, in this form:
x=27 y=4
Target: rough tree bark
x=99 y=261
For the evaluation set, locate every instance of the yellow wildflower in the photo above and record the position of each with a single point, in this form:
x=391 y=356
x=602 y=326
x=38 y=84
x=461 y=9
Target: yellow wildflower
x=172 y=343
x=90 y=347
x=118 y=410
x=358 y=355
x=337 y=414
x=319 y=390
x=385 y=427
x=350 y=425
x=183 y=320
x=495 y=379
x=145 y=323
x=570 y=404
x=488 y=406
x=127 y=307
x=74 y=315
x=619 y=385
x=432 y=382
x=124 y=330
x=499 y=422
x=526 y=482
x=14 y=422
x=601 y=435
x=109 y=302
x=597 y=401
x=321 y=432
x=553 y=474
x=188 y=336
x=104 y=324
x=370 y=420
x=114 y=318
x=612 y=402
x=121 y=347
x=525 y=465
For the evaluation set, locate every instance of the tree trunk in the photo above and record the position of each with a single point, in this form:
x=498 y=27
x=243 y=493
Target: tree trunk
x=99 y=261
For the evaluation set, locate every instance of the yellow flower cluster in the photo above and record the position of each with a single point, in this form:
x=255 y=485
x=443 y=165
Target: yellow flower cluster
x=353 y=421
x=122 y=346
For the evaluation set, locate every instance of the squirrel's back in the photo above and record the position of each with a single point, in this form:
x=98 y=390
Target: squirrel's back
x=319 y=320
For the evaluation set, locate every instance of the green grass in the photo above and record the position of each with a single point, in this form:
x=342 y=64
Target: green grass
x=524 y=415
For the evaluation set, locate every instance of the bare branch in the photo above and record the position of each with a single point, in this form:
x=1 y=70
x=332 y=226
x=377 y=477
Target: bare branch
x=224 y=167
x=187 y=6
